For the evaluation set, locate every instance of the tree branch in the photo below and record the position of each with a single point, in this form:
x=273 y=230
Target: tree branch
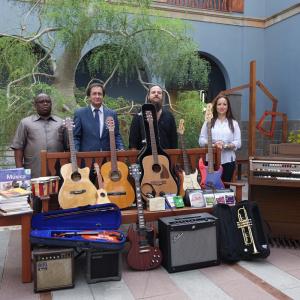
x=24 y=77
x=111 y=74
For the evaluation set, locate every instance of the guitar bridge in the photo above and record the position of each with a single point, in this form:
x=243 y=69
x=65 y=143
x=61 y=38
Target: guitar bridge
x=79 y=192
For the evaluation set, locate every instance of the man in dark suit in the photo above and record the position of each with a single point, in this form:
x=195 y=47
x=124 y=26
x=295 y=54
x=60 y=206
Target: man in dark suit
x=91 y=132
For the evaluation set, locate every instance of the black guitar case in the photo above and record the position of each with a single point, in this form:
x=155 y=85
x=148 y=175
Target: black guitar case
x=147 y=150
x=242 y=234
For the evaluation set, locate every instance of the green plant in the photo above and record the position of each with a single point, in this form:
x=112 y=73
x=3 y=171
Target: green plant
x=294 y=136
x=192 y=109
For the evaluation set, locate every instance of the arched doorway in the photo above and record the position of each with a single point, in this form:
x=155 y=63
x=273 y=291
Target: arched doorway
x=128 y=88
x=217 y=77
x=217 y=80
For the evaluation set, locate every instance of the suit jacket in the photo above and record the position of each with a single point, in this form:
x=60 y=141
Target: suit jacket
x=86 y=138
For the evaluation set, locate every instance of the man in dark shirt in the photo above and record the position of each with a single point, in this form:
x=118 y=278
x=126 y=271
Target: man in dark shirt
x=166 y=124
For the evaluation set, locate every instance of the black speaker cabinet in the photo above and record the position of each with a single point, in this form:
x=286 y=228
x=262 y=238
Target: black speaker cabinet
x=188 y=242
x=103 y=265
x=53 y=269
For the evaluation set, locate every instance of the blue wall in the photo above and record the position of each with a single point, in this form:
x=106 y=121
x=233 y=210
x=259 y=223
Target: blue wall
x=276 y=51
x=282 y=64
x=234 y=47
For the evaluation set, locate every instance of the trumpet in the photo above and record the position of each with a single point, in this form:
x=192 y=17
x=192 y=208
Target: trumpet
x=245 y=224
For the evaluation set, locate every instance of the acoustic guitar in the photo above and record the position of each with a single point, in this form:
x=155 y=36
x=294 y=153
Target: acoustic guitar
x=102 y=194
x=115 y=173
x=142 y=254
x=157 y=178
x=209 y=177
x=188 y=180
x=77 y=189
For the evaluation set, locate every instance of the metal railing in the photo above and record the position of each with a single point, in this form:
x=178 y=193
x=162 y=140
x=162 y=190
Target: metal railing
x=216 y=5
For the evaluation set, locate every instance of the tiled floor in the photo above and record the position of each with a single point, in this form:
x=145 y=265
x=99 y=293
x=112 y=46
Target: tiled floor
x=277 y=277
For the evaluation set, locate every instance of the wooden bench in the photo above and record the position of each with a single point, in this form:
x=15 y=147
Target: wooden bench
x=51 y=161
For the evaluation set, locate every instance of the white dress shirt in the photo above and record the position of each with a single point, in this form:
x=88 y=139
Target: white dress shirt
x=222 y=132
x=101 y=118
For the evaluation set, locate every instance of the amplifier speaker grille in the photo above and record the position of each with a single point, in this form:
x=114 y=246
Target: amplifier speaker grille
x=188 y=242
x=53 y=269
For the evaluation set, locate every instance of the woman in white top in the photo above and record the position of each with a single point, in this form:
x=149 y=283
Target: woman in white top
x=226 y=135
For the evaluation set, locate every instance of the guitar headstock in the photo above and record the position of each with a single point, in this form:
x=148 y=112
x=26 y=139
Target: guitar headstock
x=149 y=116
x=135 y=171
x=68 y=123
x=208 y=113
x=110 y=123
x=181 y=129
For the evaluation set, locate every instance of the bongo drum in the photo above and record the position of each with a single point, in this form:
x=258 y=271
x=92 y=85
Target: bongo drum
x=40 y=186
x=54 y=182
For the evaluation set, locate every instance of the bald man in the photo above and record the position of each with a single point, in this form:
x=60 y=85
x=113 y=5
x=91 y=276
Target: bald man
x=41 y=131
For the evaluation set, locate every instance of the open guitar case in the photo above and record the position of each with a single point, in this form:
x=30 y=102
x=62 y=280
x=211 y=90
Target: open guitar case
x=60 y=227
x=146 y=150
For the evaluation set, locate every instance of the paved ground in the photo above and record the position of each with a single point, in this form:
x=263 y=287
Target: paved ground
x=277 y=277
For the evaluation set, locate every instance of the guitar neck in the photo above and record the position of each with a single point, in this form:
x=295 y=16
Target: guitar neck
x=153 y=142
x=72 y=151
x=139 y=204
x=186 y=164
x=113 y=152
x=210 y=149
x=99 y=178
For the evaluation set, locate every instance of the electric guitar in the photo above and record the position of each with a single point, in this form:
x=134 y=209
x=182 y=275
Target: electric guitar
x=142 y=255
x=188 y=180
x=209 y=177
x=115 y=173
x=157 y=179
x=102 y=194
x=77 y=189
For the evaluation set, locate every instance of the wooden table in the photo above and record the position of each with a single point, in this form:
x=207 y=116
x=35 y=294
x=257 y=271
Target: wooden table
x=25 y=221
x=130 y=215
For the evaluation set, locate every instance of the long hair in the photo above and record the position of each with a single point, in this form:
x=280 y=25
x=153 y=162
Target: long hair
x=229 y=114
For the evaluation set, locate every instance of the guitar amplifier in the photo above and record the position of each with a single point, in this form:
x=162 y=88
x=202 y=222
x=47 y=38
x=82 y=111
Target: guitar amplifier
x=188 y=242
x=53 y=269
x=103 y=265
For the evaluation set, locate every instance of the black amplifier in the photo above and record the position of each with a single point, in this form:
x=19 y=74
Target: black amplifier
x=53 y=269
x=188 y=242
x=103 y=265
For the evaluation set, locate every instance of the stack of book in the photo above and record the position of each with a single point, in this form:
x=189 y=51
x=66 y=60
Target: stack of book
x=14 y=201
x=14 y=191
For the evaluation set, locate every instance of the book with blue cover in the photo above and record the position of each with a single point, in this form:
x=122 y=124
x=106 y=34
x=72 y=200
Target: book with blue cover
x=15 y=178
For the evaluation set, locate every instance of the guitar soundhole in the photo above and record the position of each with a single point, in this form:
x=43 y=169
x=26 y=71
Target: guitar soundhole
x=115 y=176
x=102 y=195
x=75 y=176
x=156 y=168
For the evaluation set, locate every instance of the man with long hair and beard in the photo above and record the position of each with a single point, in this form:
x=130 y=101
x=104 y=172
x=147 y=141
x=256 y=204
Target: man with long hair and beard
x=166 y=123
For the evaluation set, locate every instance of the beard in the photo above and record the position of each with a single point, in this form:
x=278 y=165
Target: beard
x=157 y=105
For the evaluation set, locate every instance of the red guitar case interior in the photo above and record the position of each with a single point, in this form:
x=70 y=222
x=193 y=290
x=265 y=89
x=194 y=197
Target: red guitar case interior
x=92 y=226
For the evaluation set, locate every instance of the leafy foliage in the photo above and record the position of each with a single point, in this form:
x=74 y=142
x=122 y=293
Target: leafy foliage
x=193 y=108
x=16 y=59
x=294 y=136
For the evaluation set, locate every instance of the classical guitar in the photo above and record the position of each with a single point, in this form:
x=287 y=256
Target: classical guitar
x=188 y=180
x=157 y=178
x=142 y=254
x=209 y=177
x=115 y=174
x=77 y=189
x=102 y=194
